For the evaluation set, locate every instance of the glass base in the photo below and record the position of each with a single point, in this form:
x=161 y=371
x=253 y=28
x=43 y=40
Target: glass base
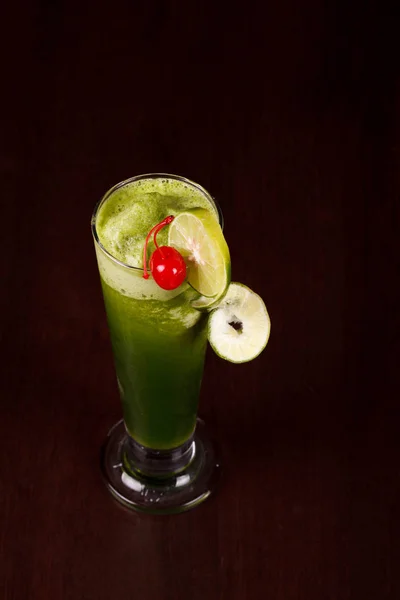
x=159 y=481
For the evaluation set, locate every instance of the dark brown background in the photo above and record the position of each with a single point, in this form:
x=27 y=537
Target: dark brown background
x=289 y=115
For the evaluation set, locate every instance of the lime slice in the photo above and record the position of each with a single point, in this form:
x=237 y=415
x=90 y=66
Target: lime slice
x=196 y=234
x=239 y=328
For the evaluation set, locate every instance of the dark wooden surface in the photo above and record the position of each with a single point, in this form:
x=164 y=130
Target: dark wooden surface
x=289 y=115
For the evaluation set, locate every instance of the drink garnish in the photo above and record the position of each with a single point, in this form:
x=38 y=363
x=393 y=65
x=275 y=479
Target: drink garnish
x=198 y=237
x=166 y=264
x=239 y=327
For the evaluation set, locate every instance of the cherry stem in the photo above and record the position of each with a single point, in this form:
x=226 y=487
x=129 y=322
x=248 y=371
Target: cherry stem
x=154 y=232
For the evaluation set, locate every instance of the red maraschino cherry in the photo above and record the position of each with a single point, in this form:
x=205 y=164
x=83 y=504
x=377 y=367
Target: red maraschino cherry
x=166 y=264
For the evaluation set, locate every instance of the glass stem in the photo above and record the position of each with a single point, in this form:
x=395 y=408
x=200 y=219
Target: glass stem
x=157 y=464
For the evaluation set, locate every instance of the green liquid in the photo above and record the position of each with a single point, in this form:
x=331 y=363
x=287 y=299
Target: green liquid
x=159 y=341
x=159 y=370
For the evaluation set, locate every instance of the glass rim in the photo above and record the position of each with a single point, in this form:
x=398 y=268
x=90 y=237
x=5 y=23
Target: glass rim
x=138 y=178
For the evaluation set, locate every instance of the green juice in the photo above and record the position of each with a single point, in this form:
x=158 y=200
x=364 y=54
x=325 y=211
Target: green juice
x=158 y=339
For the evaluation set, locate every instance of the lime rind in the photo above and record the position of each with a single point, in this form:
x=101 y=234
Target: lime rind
x=208 y=304
x=204 y=303
x=239 y=327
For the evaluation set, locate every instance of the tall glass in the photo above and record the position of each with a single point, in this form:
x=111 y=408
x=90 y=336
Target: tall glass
x=158 y=458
